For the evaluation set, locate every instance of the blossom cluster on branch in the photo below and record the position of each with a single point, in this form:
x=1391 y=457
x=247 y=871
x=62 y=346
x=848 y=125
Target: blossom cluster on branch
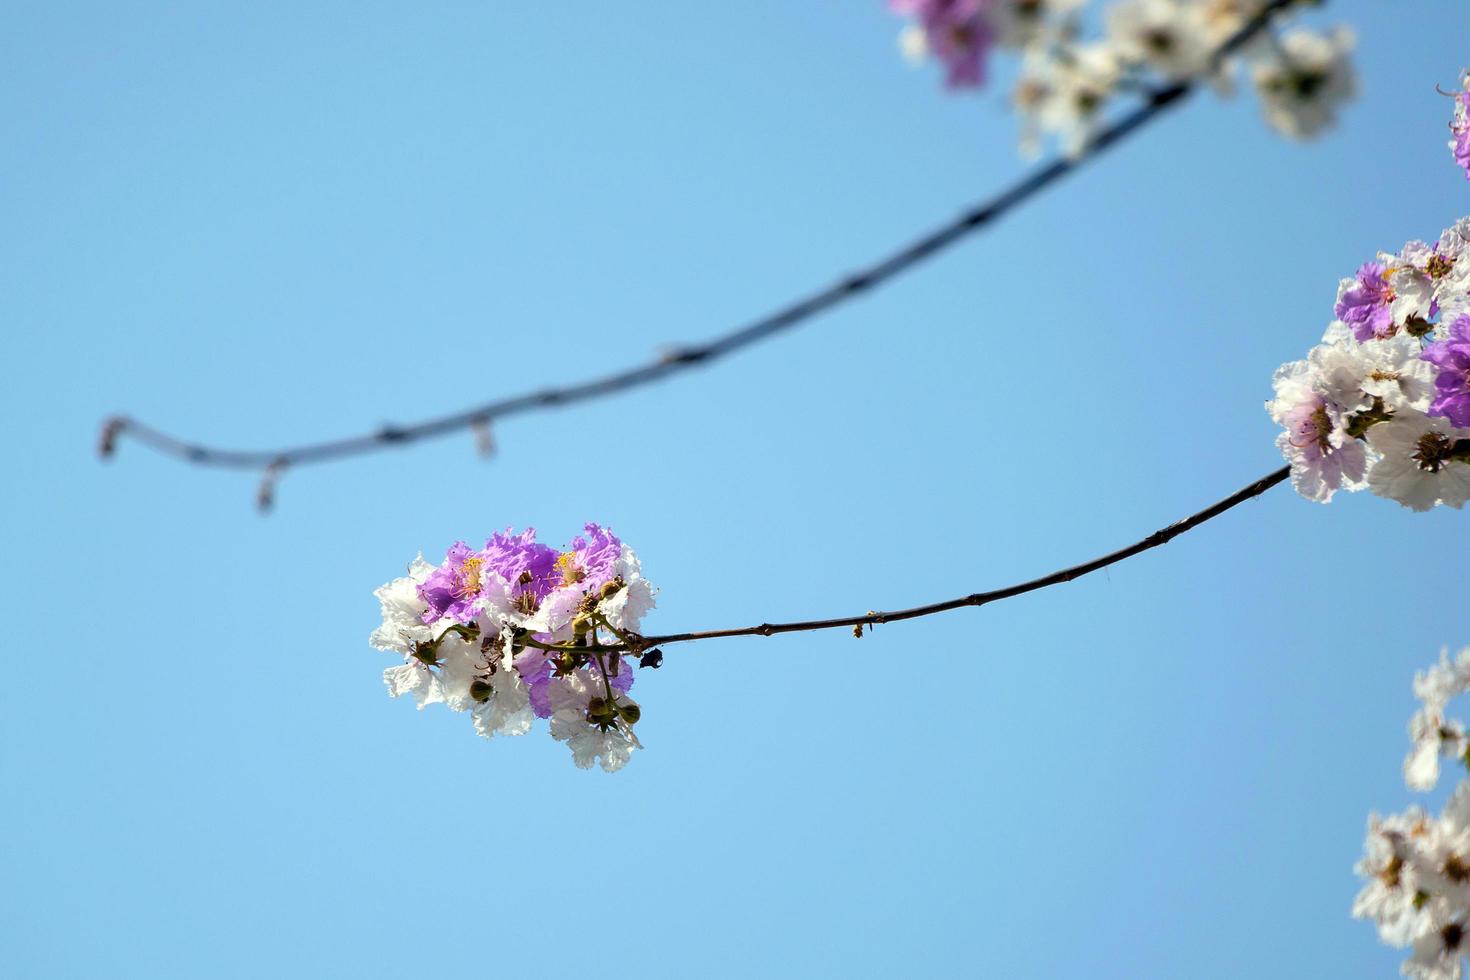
x=515 y=631
x=1383 y=402
x=1069 y=75
x=1416 y=867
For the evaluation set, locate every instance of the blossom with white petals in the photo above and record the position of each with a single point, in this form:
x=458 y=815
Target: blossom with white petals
x=1304 y=80
x=1169 y=36
x=1323 y=456
x=1381 y=403
x=594 y=719
x=1416 y=868
x=516 y=630
x=1421 y=462
x=1071 y=73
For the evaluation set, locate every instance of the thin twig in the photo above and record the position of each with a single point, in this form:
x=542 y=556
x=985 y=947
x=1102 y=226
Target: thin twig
x=850 y=286
x=1161 y=536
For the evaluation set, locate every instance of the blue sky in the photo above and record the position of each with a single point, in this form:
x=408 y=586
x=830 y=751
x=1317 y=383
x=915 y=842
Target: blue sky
x=263 y=223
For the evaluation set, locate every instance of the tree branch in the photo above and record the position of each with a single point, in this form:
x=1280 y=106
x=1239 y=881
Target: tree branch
x=273 y=462
x=1161 y=536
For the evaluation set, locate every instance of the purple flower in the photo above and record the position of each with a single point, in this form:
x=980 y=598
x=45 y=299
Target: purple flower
x=1460 y=145
x=1462 y=151
x=1452 y=383
x=956 y=32
x=452 y=588
x=534 y=666
x=590 y=561
x=1364 y=304
x=528 y=567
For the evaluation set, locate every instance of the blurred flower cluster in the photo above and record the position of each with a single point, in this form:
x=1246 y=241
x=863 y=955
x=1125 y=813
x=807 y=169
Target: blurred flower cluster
x=518 y=630
x=1069 y=75
x=1416 y=867
x=1383 y=402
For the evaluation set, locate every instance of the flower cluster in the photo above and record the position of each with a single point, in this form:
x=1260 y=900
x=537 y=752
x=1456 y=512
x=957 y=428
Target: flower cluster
x=1460 y=128
x=1068 y=79
x=1416 y=867
x=1383 y=402
x=518 y=630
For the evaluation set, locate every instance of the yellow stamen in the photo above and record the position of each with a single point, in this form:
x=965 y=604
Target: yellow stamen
x=467 y=579
x=566 y=563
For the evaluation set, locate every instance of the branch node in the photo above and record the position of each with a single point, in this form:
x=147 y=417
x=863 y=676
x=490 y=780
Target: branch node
x=978 y=217
x=484 y=438
x=107 y=441
x=265 y=494
x=683 y=355
x=388 y=433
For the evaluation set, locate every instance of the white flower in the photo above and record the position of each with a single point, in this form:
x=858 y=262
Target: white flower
x=502 y=704
x=626 y=608
x=1452 y=285
x=1444 y=681
x=416 y=679
x=1223 y=18
x=1432 y=734
x=913 y=42
x=1387 y=865
x=1167 y=35
x=1304 y=80
x=1323 y=457
x=1063 y=93
x=1022 y=23
x=402 y=610
x=1352 y=374
x=1442 y=858
x=1414 y=467
x=594 y=727
x=1413 y=289
x=403 y=631
x=429 y=673
x=1439 y=953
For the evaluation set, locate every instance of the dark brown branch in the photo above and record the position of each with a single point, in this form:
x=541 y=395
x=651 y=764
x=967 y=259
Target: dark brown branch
x=1159 y=537
x=275 y=461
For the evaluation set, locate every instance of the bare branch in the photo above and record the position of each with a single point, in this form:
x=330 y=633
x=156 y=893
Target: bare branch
x=273 y=461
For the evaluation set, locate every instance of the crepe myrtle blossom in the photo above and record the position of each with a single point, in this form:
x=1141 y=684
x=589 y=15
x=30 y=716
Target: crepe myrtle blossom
x=1432 y=734
x=1166 y=35
x=1304 y=79
x=1460 y=128
x=1073 y=65
x=1421 y=462
x=516 y=630
x=1323 y=456
x=1415 y=867
x=1452 y=384
x=1383 y=402
x=956 y=32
